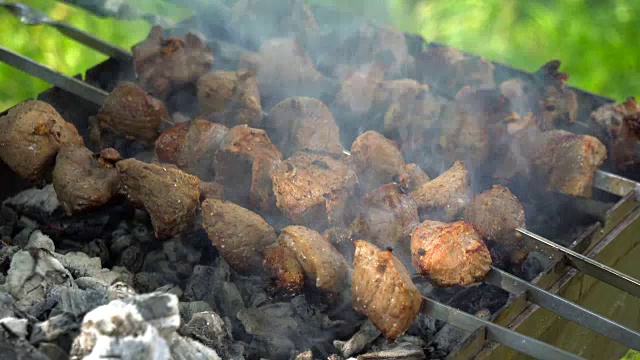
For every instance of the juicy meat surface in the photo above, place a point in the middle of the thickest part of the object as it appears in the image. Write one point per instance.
(130, 112)
(444, 196)
(170, 196)
(495, 214)
(81, 180)
(387, 216)
(240, 235)
(618, 126)
(244, 165)
(31, 134)
(164, 63)
(377, 159)
(230, 98)
(299, 123)
(323, 265)
(191, 146)
(383, 291)
(282, 266)
(449, 254)
(304, 183)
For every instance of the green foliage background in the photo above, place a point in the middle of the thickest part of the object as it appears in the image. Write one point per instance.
(597, 41)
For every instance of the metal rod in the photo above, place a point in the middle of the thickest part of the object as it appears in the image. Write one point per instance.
(615, 184)
(64, 82)
(565, 308)
(589, 266)
(494, 332)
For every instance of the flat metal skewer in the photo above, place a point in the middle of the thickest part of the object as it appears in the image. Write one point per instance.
(64, 82)
(564, 308)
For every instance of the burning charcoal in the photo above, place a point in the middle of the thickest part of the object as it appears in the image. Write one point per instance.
(377, 159)
(282, 266)
(444, 196)
(209, 328)
(365, 335)
(169, 196)
(618, 126)
(30, 136)
(495, 214)
(129, 112)
(191, 146)
(163, 64)
(244, 165)
(299, 123)
(383, 291)
(230, 97)
(81, 183)
(239, 234)
(413, 177)
(304, 184)
(387, 216)
(449, 254)
(323, 265)
(41, 204)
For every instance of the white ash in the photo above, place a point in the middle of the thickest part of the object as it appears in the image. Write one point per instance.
(365, 335)
(42, 201)
(17, 327)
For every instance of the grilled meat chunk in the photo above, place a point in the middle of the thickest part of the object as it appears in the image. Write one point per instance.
(412, 177)
(83, 181)
(191, 146)
(299, 123)
(210, 190)
(165, 63)
(444, 196)
(618, 126)
(341, 238)
(495, 214)
(323, 265)
(31, 134)
(383, 291)
(130, 112)
(282, 266)
(387, 216)
(244, 165)
(555, 102)
(240, 235)
(304, 186)
(358, 90)
(170, 196)
(230, 98)
(377, 159)
(449, 254)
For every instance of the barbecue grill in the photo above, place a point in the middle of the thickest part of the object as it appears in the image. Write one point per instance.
(578, 302)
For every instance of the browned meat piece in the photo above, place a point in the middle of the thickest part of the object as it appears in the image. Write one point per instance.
(129, 112)
(281, 264)
(240, 235)
(444, 196)
(413, 177)
(387, 216)
(244, 165)
(164, 63)
(567, 162)
(377, 159)
(299, 123)
(303, 183)
(383, 291)
(170, 196)
(555, 102)
(341, 238)
(618, 126)
(284, 70)
(323, 265)
(82, 181)
(495, 214)
(450, 69)
(191, 146)
(449, 254)
(30, 136)
(358, 89)
(230, 98)
(210, 190)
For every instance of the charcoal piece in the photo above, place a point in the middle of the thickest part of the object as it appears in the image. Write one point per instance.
(98, 248)
(377, 159)
(80, 264)
(188, 309)
(53, 351)
(230, 98)
(299, 123)
(55, 327)
(9, 307)
(178, 250)
(15, 348)
(131, 258)
(8, 220)
(445, 196)
(365, 335)
(187, 349)
(169, 196)
(78, 302)
(243, 166)
(239, 234)
(480, 299)
(119, 290)
(31, 134)
(142, 233)
(170, 289)
(202, 284)
(148, 281)
(39, 204)
(445, 341)
(102, 279)
(211, 330)
(118, 244)
(401, 350)
(17, 327)
(164, 64)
